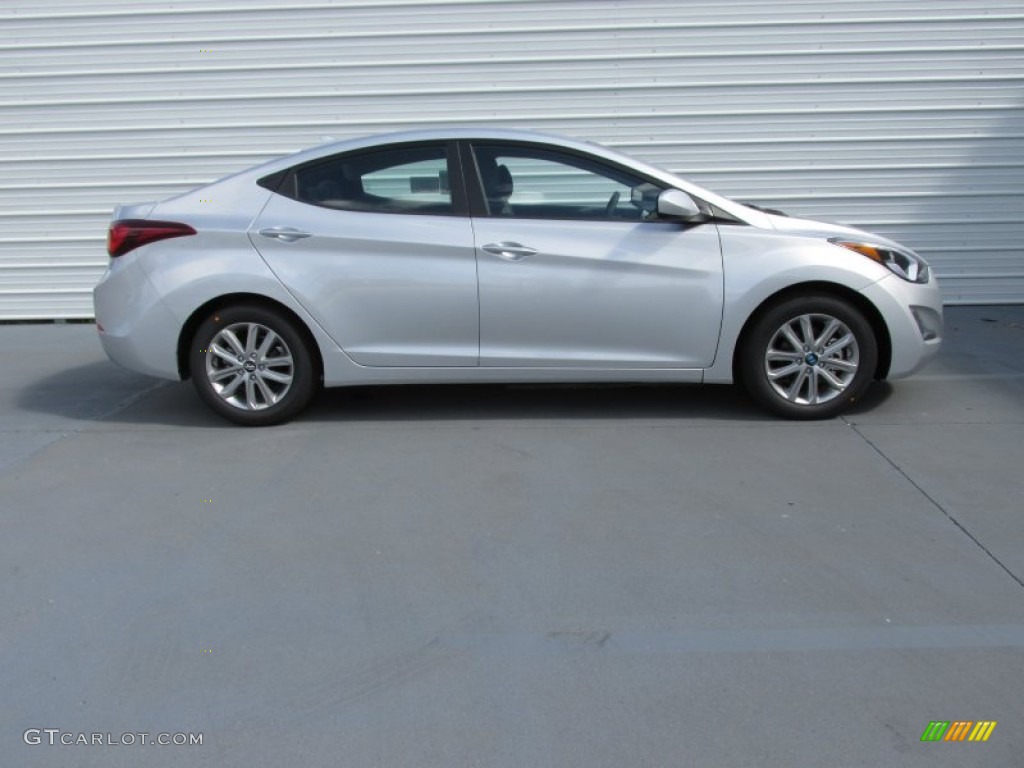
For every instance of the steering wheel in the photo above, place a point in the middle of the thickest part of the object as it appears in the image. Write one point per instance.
(613, 203)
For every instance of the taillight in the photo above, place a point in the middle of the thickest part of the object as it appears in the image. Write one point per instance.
(127, 234)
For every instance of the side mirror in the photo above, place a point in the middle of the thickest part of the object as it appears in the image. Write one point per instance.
(676, 204)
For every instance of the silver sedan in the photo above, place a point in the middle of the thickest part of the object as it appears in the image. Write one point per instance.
(500, 256)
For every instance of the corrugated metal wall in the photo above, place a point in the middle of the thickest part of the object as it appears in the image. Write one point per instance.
(901, 116)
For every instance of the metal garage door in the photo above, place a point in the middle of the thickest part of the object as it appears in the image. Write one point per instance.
(901, 116)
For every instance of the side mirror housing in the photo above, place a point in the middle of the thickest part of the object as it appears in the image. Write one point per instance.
(676, 204)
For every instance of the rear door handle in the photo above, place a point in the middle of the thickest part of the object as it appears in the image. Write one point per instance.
(510, 251)
(284, 234)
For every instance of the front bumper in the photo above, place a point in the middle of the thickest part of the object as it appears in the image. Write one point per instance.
(913, 315)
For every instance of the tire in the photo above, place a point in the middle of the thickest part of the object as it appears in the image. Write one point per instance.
(809, 357)
(251, 365)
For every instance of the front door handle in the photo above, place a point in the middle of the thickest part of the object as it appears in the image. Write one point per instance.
(284, 234)
(510, 251)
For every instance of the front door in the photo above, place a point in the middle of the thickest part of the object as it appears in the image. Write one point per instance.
(576, 271)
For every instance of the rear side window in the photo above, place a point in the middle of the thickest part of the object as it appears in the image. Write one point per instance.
(406, 180)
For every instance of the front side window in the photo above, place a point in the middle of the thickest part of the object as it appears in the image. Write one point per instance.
(537, 183)
(407, 180)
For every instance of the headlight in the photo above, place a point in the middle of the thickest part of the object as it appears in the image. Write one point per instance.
(900, 261)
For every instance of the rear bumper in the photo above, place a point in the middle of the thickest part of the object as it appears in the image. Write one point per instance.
(136, 329)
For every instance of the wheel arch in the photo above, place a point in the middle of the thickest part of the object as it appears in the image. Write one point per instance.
(870, 311)
(188, 330)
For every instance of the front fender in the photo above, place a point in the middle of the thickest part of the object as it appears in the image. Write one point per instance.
(758, 265)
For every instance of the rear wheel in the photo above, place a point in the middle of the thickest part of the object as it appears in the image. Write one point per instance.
(252, 366)
(809, 357)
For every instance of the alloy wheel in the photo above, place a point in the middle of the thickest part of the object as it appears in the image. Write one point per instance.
(812, 359)
(249, 366)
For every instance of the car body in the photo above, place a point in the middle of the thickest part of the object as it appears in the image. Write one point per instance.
(493, 255)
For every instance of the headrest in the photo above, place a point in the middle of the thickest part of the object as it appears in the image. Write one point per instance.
(503, 182)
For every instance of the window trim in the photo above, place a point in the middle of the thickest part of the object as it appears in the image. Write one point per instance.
(282, 181)
(478, 199)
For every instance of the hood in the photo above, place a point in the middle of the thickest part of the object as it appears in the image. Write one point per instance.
(822, 229)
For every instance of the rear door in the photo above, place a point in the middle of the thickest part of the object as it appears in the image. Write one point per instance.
(378, 247)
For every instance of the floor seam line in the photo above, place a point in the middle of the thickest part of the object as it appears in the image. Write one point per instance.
(936, 504)
(60, 435)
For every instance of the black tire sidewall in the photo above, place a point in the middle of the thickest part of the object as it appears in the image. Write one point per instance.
(754, 378)
(303, 385)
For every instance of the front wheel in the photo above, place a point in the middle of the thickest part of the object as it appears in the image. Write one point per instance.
(252, 366)
(809, 357)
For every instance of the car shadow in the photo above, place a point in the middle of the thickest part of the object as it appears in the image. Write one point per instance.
(875, 395)
(534, 402)
(104, 392)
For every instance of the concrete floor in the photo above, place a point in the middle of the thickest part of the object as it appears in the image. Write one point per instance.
(491, 576)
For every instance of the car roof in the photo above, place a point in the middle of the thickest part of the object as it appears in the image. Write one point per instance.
(454, 133)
